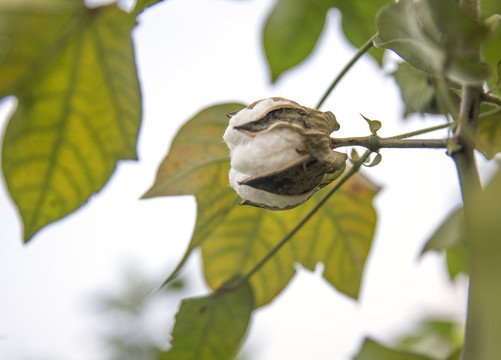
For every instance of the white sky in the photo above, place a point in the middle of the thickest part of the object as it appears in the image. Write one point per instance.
(192, 54)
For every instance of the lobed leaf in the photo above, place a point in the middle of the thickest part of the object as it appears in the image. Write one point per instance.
(372, 350)
(79, 104)
(198, 163)
(339, 236)
(211, 327)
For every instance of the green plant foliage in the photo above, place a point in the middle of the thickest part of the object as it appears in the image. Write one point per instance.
(211, 327)
(339, 236)
(491, 51)
(372, 350)
(198, 164)
(79, 104)
(294, 26)
(143, 4)
(357, 20)
(291, 32)
(418, 90)
(434, 337)
(489, 131)
(451, 238)
(457, 260)
(431, 42)
(450, 232)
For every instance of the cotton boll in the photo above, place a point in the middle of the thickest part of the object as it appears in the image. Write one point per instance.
(280, 152)
(267, 152)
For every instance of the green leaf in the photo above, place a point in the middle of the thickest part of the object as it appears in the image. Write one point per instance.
(489, 131)
(374, 125)
(79, 104)
(371, 350)
(491, 52)
(291, 32)
(451, 232)
(357, 20)
(198, 163)
(376, 161)
(339, 236)
(294, 27)
(457, 260)
(141, 5)
(421, 34)
(211, 327)
(437, 338)
(418, 90)
(451, 238)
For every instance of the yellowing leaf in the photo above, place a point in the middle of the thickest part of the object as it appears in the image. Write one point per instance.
(489, 132)
(198, 163)
(211, 327)
(197, 154)
(339, 235)
(79, 110)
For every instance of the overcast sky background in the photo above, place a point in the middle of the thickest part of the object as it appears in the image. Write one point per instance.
(192, 54)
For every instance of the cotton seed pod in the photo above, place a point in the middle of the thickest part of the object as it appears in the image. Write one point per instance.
(280, 153)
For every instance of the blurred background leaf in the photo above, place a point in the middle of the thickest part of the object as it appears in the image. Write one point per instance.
(489, 131)
(421, 35)
(294, 27)
(79, 105)
(211, 327)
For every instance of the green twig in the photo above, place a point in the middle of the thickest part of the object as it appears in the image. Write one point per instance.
(366, 47)
(374, 143)
(420, 131)
(492, 99)
(349, 173)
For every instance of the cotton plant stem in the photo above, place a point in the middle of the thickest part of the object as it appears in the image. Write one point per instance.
(375, 143)
(475, 346)
(479, 341)
(366, 47)
(348, 174)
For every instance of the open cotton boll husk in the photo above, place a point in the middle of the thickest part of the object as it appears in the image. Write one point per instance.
(280, 152)
(261, 198)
